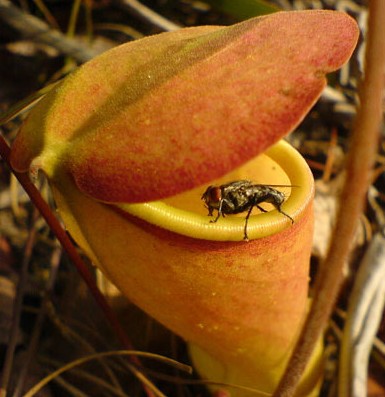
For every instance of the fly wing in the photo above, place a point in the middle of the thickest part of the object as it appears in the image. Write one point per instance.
(268, 185)
(237, 184)
(235, 187)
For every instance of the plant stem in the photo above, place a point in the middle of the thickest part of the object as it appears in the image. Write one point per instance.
(360, 161)
(65, 241)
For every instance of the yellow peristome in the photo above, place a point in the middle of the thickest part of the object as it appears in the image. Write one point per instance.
(185, 214)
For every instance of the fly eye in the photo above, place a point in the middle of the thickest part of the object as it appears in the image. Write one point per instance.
(206, 196)
(215, 194)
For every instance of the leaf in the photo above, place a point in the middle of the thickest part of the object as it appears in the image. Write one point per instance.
(161, 115)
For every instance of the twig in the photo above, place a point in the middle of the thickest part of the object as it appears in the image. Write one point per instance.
(330, 156)
(360, 160)
(366, 305)
(80, 361)
(127, 30)
(70, 388)
(47, 308)
(73, 18)
(38, 326)
(47, 14)
(34, 29)
(146, 14)
(93, 378)
(27, 103)
(17, 307)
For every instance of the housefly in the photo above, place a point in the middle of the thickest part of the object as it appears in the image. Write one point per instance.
(241, 196)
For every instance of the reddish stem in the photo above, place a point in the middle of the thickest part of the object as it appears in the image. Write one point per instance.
(360, 162)
(65, 241)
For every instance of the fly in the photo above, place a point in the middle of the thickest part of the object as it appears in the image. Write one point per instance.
(241, 196)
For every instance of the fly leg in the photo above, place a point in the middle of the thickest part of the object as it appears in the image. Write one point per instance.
(245, 236)
(284, 213)
(278, 207)
(219, 212)
(260, 208)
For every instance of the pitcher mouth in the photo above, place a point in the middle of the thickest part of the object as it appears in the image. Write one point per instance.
(186, 214)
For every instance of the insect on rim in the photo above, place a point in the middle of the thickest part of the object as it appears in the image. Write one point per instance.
(192, 224)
